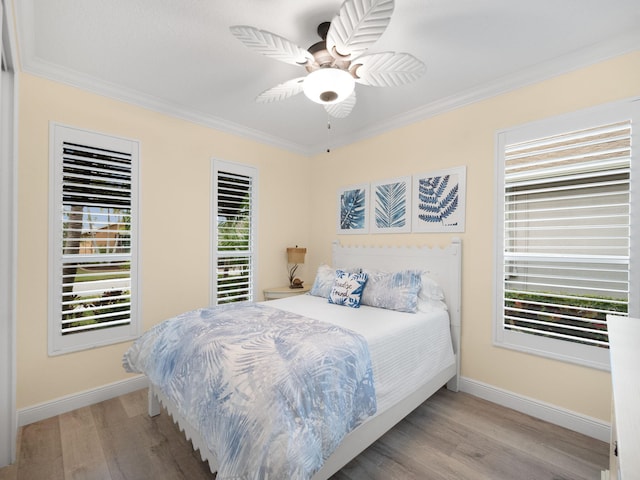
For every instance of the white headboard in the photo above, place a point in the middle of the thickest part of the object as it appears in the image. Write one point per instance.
(443, 264)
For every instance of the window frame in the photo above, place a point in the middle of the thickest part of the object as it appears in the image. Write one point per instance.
(8, 236)
(566, 351)
(57, 342)
(218, 165)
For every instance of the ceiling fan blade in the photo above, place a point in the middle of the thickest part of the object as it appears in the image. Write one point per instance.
(342, 109)
(387, 69)
(282, 91)
(357, 26)
(271, 45)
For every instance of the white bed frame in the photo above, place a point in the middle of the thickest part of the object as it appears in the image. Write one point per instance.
(445, 266)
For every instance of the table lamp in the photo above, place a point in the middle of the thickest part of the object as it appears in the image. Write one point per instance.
(295, 257)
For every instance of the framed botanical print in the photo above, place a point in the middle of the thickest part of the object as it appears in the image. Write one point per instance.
(353, 209)
(439, 201)
(391, 206)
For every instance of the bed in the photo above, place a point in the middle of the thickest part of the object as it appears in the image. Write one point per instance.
(405, 367)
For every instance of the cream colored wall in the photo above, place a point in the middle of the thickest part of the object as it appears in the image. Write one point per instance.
(175, 160)
(465, 136)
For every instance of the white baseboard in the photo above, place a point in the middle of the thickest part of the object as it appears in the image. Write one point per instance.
(78, 400)
(544, 411)
(559, 416)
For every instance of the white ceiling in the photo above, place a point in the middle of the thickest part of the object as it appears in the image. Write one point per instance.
(178, 56)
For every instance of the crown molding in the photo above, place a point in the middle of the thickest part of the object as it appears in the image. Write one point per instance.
(620, 45)
(100, 87)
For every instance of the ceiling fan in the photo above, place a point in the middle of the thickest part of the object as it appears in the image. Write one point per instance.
(337, 62)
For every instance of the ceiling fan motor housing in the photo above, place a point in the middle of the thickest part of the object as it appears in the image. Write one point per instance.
(329, 80)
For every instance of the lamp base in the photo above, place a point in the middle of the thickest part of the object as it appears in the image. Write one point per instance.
(295, 283)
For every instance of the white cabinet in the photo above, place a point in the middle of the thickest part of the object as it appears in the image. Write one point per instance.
(624, 348)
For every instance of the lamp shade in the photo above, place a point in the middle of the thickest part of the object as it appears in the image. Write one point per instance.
(328, 85)
(296, 255)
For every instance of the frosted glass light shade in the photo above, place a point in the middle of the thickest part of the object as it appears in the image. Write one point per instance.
(328, 85)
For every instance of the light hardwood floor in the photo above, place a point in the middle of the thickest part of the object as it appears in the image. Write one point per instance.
(450, 436)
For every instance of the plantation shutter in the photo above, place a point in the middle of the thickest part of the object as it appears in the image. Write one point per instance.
(566, 233)
(95, 188)
(234, 187)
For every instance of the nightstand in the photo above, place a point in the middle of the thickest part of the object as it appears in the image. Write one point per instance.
(282, 292)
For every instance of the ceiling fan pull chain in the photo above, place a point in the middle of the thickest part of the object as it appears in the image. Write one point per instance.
(328, 133)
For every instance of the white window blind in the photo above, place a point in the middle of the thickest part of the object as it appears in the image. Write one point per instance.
(95, 188)
(567, 233)
(234, 234)
(566, 244)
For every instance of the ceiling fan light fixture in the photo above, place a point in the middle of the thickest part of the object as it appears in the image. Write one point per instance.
(328, 85)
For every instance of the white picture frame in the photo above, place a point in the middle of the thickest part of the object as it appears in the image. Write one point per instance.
(439, 201)
(353, 209)
(391, 206)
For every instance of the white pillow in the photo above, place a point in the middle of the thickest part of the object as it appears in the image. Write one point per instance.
(324, 280)
(431, 296)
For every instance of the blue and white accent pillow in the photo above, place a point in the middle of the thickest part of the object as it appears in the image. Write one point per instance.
(393, 291)
(347, 288)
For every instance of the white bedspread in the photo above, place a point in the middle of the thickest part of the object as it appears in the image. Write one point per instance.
(406, 349)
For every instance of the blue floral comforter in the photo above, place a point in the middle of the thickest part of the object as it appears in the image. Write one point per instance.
(272, 393)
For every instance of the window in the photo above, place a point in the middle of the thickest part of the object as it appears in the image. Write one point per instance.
(234, 232)
(565, 247)
(93, 241)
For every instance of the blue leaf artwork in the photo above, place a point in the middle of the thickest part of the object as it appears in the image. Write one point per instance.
(440, 201)
(436, 201)
(391, 205)
(353, 209)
